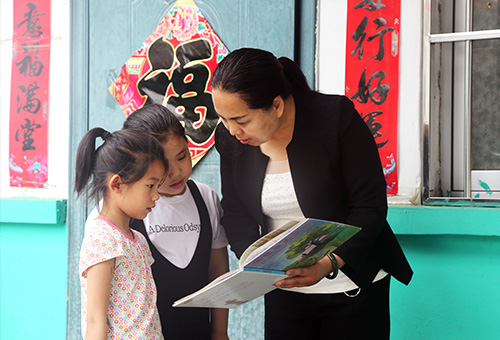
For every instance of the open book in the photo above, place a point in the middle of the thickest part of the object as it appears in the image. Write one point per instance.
(264, 262)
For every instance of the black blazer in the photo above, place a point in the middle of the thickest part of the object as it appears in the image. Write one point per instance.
(337, 175)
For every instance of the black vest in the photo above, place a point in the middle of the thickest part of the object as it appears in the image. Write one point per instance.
(173, 283)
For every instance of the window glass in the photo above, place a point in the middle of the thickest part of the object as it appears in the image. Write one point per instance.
(486, 15)
(485, 104)
(454, 74)
(485, 118)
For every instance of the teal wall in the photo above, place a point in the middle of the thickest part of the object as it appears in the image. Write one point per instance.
(454, 292)
(455, 253)
(33, 269)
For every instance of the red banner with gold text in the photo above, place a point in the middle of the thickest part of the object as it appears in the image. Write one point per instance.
(29, 99)
(372, 74)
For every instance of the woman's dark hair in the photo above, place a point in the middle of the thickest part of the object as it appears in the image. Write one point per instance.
(157, 120)
(127, 153)
(259, 77)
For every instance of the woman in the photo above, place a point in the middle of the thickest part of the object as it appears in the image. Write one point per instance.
(288, 152)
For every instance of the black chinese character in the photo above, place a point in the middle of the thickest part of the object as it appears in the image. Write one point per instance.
(31, 104)
(32, 29)
(28, 64)
(370, 120)
(378, 95)
(28, 129)
(185, 88)
(360, 34)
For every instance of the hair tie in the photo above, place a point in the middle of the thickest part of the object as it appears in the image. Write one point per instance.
(105, 135)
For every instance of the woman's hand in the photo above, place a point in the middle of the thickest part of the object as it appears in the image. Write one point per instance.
(308, 276)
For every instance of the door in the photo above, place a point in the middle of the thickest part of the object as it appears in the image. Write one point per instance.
(104, 36)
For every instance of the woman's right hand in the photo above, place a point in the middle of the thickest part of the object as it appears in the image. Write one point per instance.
(308, 276)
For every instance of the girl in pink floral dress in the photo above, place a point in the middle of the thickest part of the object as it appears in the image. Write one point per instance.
(118, 291)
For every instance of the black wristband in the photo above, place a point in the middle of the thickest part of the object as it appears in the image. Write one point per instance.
(335, 267)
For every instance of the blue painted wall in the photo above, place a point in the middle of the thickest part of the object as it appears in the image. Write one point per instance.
(33, 271)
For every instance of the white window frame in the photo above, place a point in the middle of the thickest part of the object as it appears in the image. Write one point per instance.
(432, 170)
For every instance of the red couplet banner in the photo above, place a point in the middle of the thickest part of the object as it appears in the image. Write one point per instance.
(372, 74)
(29, 99)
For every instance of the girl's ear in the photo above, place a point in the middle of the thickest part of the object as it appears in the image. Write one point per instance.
(115, 184)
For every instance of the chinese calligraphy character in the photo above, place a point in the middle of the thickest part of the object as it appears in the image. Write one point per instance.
(183, 84)
(32, 29)
(360, 34)
(27, 64)
(378, 95)
(28, 129)
(370, 5)
(374, 126)
(31, 104)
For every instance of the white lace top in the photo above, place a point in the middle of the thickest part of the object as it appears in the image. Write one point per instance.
(280, 206)
(279, 201)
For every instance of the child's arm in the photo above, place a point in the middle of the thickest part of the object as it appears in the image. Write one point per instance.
(219, 264)
(98, 291)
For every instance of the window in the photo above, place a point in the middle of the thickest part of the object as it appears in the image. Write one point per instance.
(462, 101)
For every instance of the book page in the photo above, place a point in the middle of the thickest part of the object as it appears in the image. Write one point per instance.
(231, 291)
(263, 243)
(301, 246)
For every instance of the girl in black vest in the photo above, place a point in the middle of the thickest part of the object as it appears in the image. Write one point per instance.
(183, 232)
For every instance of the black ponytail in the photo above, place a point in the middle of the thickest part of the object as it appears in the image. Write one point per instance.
(127, 153)
(295, 77)
(85, 157)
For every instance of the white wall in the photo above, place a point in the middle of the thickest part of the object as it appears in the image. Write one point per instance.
(58, 103)
(331, 53)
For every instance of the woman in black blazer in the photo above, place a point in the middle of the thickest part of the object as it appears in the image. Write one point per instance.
(289, 152)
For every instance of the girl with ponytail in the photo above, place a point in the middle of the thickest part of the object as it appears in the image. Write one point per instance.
(118, 291)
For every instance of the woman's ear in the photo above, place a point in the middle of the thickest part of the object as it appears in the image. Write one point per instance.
(279, 105)
(115, 184)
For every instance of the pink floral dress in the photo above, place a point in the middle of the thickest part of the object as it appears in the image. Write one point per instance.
(132, 312)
